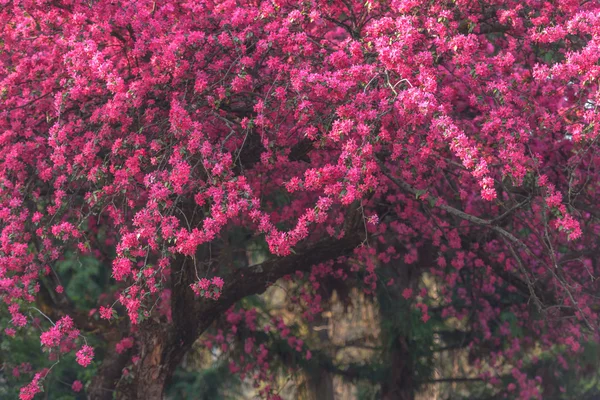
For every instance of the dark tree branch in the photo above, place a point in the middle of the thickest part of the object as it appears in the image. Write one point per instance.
(454, 211)
(162, 345)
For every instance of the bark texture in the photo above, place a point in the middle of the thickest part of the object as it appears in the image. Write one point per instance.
(162, 345)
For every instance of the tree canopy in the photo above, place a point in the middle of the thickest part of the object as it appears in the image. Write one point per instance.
(161, 162)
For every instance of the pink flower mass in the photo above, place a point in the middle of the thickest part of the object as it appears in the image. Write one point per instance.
(189, 154)
(77, 386)
(85, 356)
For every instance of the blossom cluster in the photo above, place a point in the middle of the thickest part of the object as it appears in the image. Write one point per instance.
(153, 130)
(210, 289)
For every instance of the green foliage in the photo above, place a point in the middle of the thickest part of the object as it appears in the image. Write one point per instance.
(212, 383)
(511, 318)
(84, 279)
(366, 391)
(25, 348)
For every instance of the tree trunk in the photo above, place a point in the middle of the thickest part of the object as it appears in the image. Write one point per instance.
(159, 357)
(155, 366)
(161, 345)
(320, 382)
(400, 381)
(320, 387)
(400, 385)
(109, 374)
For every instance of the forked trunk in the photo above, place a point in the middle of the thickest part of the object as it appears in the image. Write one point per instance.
(119, 379)
(161, 345)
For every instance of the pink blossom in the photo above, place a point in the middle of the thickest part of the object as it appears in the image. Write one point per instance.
(85, 356)
(77, 386)
(106, 312)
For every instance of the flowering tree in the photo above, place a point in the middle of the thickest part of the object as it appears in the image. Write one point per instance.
(458, 136)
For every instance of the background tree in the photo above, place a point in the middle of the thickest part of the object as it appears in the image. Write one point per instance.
(151, 145)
